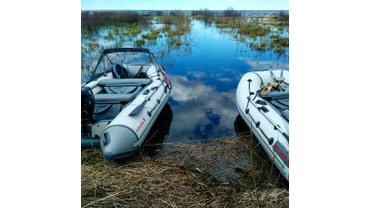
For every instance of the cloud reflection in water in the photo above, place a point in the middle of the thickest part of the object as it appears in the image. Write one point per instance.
(200, 111)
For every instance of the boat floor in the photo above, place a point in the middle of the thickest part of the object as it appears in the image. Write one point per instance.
(279, 100)
(111, 101)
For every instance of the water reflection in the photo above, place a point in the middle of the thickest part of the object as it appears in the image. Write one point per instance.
(204, 69)
(200, 111)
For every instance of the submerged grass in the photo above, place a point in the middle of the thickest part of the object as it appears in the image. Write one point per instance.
(140, 42)
(216, 174)
(152, 35)
(283, 42)
(253, 30)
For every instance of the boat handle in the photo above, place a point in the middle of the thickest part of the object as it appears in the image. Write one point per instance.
(106, 138)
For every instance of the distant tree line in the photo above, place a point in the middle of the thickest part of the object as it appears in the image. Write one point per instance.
(230, 12)
(90, 20)
(282, 16)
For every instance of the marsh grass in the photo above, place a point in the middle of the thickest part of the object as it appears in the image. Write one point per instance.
(218, 173)
(273, 36)
(178, 19)
(152, 35)
(205, 15)
(91, 20)
(131, 31)
(281, 42)
(140, 42)
(165, 28)
(253, 30)
(261, 46)
(110, 36)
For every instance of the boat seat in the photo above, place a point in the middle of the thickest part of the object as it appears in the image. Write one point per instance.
(123, 90)
(124, 82)
(113, 98)
(117, 94)
(276, 94)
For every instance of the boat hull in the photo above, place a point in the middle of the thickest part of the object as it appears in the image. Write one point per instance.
(126, 109)
(123, 137)
(268, 126)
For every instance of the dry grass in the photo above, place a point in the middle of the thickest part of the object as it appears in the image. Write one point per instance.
(213, 174)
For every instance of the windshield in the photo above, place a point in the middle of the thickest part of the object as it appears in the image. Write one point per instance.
(122, 57)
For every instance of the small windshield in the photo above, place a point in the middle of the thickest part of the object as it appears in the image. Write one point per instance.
(120, 57)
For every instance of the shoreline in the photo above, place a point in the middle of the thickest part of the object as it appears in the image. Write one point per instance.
(184, 175)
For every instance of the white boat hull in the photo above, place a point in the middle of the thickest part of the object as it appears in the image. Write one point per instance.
(123, 135)
(270, 128)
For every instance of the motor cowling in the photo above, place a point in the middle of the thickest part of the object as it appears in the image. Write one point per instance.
(87, 103)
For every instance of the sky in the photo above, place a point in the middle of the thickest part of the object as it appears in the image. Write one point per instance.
(184, 4)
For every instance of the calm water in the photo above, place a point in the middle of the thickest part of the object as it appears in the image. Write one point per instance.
(204, 71)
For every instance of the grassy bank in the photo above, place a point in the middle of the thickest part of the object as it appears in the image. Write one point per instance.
(227, 172)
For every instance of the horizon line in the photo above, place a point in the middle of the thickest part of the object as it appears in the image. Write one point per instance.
(179, 9)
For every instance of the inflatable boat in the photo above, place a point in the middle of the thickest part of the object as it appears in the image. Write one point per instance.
(121, 101)
(157, 136)
(262, 99)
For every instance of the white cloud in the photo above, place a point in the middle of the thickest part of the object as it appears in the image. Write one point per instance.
(184, 90)
(216, 36)
(197, 74)
(225, 79)
(201, 109)
(257, 65)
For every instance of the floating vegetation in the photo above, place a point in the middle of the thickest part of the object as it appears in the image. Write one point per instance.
(261, 46)
(151, 36)
(223, 26)
(283, 42)
(110, 36)
(178, 42)
(274, 36)
(140, 42)
(166, 28)
(253, 30)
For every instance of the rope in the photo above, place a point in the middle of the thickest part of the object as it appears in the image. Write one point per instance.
(267, 88)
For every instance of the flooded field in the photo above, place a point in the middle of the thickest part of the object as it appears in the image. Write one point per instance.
(204, 58)
(199, 152)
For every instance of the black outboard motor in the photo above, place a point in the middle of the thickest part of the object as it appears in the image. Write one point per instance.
(87, 107)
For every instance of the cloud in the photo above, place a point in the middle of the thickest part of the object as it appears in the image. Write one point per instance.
(197, 74)
(200, 111)
(225, 79)
(184, 90)
(258, 65)
(216, 36)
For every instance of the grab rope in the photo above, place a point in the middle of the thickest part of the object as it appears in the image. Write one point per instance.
(268, 87)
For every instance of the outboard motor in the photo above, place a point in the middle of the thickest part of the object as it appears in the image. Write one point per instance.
(87, 107)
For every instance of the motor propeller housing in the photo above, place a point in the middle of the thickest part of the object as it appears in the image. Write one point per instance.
(87, 104)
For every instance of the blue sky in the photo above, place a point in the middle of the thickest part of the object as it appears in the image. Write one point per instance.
(184, 4)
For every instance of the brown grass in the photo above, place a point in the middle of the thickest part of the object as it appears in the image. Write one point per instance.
(214, 174)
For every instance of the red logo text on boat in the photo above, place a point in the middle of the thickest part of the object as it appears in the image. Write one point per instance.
(141, 124)
(283, 154)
